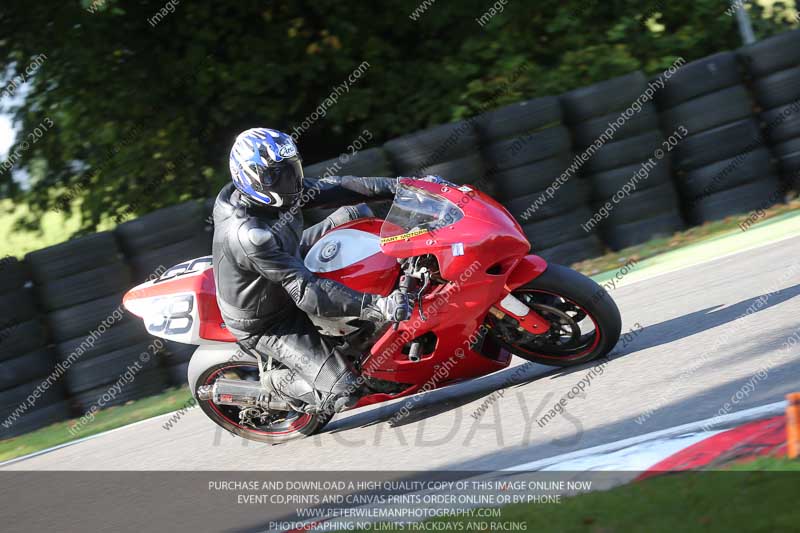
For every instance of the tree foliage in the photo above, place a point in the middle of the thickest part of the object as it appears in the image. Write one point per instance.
(144, 114)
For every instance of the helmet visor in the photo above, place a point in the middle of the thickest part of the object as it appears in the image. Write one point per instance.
(283, 177)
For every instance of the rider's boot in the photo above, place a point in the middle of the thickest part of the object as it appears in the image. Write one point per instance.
(286, 385)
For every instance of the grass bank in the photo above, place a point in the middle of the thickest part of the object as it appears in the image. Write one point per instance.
(104, 420)
(764, 498)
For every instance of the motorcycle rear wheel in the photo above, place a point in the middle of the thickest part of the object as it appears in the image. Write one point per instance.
(281, 427)
(584, 320)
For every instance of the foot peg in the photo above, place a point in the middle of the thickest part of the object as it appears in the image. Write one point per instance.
(241, 394)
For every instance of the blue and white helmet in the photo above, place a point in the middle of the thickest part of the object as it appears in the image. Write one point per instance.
(266, 167)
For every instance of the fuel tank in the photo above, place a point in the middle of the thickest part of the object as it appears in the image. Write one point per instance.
(351, 254)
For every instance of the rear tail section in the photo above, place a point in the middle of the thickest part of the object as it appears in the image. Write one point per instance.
(181, 305)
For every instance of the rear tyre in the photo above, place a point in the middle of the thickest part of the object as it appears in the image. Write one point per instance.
(280, 426)
(585, 321)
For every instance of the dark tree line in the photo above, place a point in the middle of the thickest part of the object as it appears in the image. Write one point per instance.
(146, 98)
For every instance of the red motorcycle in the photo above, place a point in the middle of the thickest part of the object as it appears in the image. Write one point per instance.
(479, 297)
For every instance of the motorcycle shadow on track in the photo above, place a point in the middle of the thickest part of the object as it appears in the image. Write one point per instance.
(700, 321)
(426, 405)
(421, 406)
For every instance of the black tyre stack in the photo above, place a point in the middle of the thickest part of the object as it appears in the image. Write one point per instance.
(80, 284)
(774, 67)
(526, 148)
(449, 150)
(25, 358)
(621, 152)
(165, 237)
(162, 239)
(371, 162)
(722, 166)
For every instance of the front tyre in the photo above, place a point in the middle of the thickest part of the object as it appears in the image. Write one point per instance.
(274, 428)
(584, 321)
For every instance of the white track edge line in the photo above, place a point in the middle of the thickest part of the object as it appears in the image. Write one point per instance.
(83, 439)
(644, 270)
(739, 416)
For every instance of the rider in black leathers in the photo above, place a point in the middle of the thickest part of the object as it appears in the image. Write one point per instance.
(264, 290)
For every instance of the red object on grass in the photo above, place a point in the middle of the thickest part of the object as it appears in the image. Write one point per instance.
(751, 440)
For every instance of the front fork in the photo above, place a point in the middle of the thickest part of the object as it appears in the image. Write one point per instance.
(529, 268)
(528, 319)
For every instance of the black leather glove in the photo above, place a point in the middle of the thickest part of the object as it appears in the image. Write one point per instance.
(392, 308)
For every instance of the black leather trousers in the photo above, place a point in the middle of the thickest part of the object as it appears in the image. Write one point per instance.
(317, 372)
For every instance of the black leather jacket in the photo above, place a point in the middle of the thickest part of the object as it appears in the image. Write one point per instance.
(258, 266)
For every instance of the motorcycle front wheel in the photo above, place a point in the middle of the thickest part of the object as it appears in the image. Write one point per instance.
(584, 320)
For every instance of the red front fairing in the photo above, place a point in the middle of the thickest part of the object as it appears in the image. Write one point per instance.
(487, 232)
(492, 248)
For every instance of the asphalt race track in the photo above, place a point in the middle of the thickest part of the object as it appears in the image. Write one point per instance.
(698, 338)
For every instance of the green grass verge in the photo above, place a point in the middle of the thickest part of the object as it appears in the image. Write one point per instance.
(709, 231)
(106, 419)
(756, 500)
(54, 228)
(768, 464)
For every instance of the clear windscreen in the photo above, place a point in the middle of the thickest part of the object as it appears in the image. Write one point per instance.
(415, 212)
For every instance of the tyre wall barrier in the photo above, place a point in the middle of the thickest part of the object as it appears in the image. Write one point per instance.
(773, 70)
(527, 148)
(449, 150)
(160, 240)
(368, 162)
(25, 356)
(79, 286)
(633, 198)
(723, 166)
